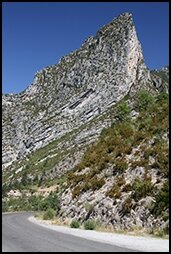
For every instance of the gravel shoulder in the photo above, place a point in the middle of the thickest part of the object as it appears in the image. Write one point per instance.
(139, 243)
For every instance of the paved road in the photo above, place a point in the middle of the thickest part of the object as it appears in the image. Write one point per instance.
(21, 235)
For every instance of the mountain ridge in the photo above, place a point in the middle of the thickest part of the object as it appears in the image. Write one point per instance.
(48, 127)
(67, 85)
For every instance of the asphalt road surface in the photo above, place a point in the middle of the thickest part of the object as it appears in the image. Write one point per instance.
(21, 235)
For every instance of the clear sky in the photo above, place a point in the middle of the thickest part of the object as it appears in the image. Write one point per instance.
(38, 34)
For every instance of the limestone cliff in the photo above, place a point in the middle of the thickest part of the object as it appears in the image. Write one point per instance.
(81, 86)
(47, 128)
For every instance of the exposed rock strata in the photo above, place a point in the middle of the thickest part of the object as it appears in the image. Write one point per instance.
(84, 84)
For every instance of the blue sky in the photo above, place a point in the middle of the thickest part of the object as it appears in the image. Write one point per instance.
(38, 34)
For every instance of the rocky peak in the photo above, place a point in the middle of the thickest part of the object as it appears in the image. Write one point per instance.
(160, 79)
(82, 86)
(48, 128)
(113, 42)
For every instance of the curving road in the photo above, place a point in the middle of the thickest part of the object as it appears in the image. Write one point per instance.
(21, 235)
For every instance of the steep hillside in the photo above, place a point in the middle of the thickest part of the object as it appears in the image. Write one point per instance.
(123, 178)
(94, 128)
(121, 181)
(69, 94)
(161, 78)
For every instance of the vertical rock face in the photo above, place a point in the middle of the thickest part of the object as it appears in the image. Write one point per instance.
(81, 86)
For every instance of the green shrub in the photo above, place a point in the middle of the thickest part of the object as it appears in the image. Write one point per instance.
(160, 152)
(139, 136)
(141, 188)
(120, 165)
(25, 180)
(90, 224)
(162, 201)
(75, 224)
(102, 164)
(148, 124)
(120, 181)
(93, 172)
(127, 187)
(49, 214)
(147, 153)
(139, 163)
(159, 232)
(51, 201)
(76, 191)
(144, 100)
(35, 201)
(74, 179)
(5, 206)
(86, 185)
(96, 184)
(114, 192)
(123, 111)
(162, 97)
(125, 130)
(92, 183)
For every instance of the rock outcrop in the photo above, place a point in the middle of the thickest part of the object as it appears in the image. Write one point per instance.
(47, 128)
(83, 85)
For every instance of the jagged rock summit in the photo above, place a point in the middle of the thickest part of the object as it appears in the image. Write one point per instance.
(92, 129)
(83, 85)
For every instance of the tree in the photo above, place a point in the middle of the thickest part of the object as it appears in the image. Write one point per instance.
(144, 100)
(123, 111)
